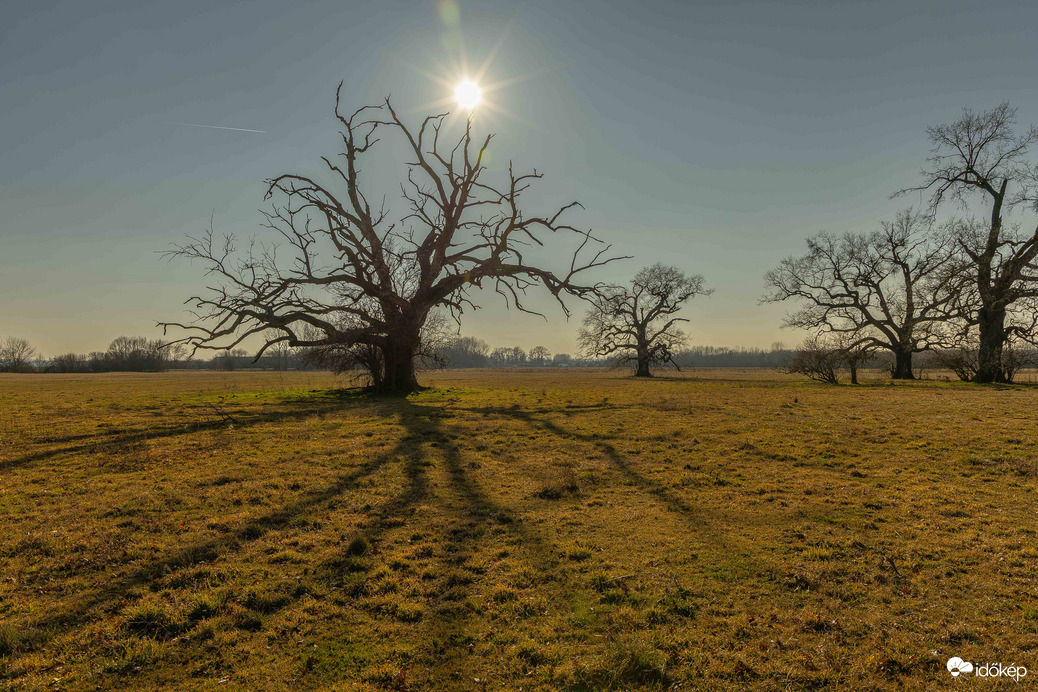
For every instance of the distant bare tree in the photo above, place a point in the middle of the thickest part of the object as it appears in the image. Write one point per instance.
(980, 157)
(636, 324)
(892, 289)
(363, 281)
(539, 355)
(17, 355)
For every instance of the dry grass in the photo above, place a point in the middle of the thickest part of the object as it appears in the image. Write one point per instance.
(542, 530)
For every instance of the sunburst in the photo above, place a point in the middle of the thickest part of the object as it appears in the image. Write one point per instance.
(466, 95)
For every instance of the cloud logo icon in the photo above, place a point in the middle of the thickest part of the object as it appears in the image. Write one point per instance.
(956, 665)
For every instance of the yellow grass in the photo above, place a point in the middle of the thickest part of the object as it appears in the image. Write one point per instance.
(545, 530)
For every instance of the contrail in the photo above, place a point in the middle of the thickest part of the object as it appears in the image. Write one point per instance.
(220, 127)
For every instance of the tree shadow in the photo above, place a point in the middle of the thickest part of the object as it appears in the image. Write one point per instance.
(472, 511)
(114, 441)
(473, 517)
(664, 495)
(91, 605)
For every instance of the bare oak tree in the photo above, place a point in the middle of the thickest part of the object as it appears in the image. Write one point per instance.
(981, 159)
(636, 324)
(360, 281)
(892, 289)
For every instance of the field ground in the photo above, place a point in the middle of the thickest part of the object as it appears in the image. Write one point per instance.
(537, 530)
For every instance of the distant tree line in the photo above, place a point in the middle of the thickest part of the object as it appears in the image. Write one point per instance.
(724, 357)
(140, 354)
(470, 352)
(813, 359)
(126, 353)
(135, 354)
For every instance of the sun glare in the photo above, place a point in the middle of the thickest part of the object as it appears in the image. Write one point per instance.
(468, 94)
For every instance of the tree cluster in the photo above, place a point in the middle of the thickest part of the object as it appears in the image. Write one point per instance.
(124, 354)
(966, 287)
(470, 352)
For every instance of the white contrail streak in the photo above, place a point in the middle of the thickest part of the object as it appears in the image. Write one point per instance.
(220, 127)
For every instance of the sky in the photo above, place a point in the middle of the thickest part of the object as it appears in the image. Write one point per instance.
(714, 137)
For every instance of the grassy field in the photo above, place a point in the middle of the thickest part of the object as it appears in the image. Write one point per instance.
(535, 530)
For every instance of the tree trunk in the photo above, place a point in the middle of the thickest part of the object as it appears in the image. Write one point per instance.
(854, 373)
(643, 366)
(992, 325)
(902, 366)
(398, 370)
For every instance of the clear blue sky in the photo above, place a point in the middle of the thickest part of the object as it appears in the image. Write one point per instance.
(712, 136)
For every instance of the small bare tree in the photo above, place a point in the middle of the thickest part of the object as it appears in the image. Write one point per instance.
(539, 355)
(636, 324)
(362, 282)
(855, 353)
(825, 359)
(892, 289)
(981, 156)
(17, 355)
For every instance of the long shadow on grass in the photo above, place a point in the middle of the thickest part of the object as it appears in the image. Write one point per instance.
(421, 425)
(94, 604)
(695, 516)
(473, 516)
(115, 441)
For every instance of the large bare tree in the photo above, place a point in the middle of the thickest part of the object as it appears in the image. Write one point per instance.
(636, 323)
(893, 289)
(980, 162)
(360, 281)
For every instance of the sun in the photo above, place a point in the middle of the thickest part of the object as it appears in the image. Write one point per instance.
(468, 94)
